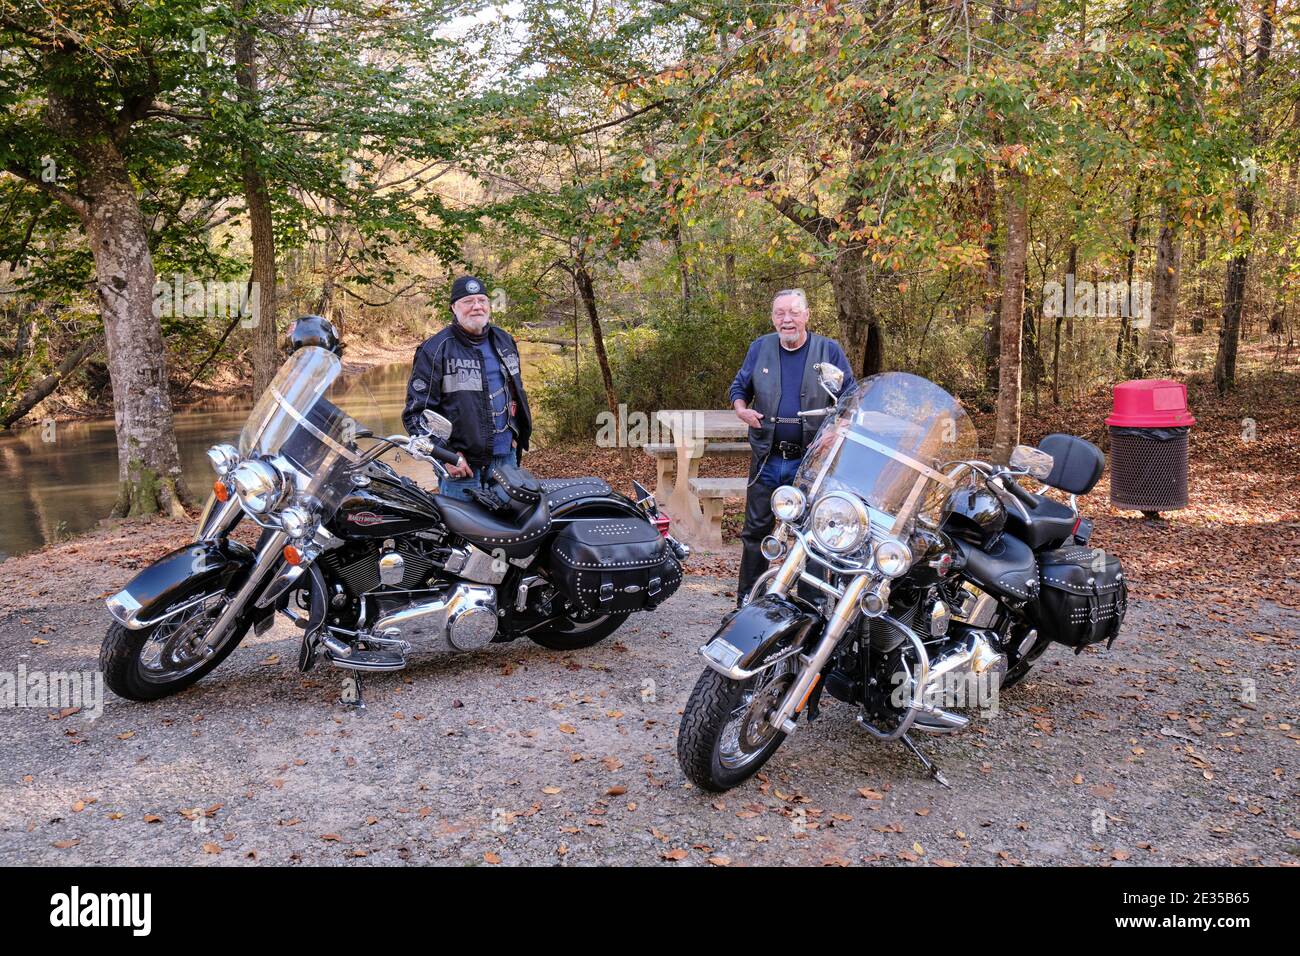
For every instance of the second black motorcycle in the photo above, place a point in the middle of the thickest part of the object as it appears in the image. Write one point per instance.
(910, 579)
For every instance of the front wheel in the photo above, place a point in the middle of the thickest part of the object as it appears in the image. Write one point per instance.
(725, 735)
(573, 634)
(158, 661)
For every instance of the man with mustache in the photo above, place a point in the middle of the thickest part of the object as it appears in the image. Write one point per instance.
(470, 373)
(777, 381)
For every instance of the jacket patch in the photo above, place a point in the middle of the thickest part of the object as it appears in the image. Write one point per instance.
(419, 384)
(512, 362)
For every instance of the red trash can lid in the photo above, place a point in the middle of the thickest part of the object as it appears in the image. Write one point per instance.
(1150, 403)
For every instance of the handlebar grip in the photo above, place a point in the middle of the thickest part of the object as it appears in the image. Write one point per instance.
(444, 455)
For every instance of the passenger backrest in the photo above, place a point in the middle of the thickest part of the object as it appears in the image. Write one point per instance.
(1077, 464)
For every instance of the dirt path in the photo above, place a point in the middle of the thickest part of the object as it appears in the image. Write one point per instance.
(1151, 753)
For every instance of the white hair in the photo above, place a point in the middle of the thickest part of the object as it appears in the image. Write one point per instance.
(797, 293)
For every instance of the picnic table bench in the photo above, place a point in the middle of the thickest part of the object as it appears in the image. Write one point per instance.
(695, 504)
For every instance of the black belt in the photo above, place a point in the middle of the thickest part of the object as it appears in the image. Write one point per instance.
(788, 449)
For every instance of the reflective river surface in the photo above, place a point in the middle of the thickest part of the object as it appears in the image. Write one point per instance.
(57, 483)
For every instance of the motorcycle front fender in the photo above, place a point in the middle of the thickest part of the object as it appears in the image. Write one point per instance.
(174, 582)
(748, 635)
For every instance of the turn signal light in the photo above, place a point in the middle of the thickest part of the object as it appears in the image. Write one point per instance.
(662, 522)
(221, 491)
(292, 555)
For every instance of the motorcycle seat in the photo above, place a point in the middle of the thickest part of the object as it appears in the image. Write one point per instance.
(1050, 523)
(495, 532)
(1007, 569)
(560, 491)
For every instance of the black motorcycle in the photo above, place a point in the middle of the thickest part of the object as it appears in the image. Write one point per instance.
(369, 564)
(909, 579)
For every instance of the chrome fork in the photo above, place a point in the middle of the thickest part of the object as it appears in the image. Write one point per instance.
(217, 518)
(843, 615)
(266, 560)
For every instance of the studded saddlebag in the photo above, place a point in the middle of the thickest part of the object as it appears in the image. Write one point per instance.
(1083, 598)
(612, 565)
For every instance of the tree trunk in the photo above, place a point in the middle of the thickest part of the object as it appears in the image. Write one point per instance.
(587, 291)
(105, 201)
(266, 353)
(1071, 263)
(1164, 299)
(1277, 321)
(683, 269)
(1010, 322)
(149, 469)
(858, 320)
(988, 212)
(1225, 362)
(1130, 261)
(1198, 312)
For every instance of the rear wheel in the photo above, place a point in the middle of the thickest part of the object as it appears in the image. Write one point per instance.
(161, 660)
(725, 735)
(573, 634)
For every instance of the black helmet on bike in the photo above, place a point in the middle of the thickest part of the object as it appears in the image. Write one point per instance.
(314, 330)
(974, 514)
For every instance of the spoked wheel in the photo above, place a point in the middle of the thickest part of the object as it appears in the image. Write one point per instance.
(725, 735)
(158, 661)
(575, 633)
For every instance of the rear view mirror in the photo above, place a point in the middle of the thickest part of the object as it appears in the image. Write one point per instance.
(1032, 461)
(437, 426)
(831, 378)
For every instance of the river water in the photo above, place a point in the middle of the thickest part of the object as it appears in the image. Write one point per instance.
(57, 483)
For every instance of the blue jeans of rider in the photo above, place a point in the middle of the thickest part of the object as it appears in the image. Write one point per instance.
(461, 487)
(772, 473)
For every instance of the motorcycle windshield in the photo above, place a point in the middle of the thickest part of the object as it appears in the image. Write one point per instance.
(296, 421)
(888, 442)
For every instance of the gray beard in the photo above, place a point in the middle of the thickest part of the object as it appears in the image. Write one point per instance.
(789, 341)
(473, 326)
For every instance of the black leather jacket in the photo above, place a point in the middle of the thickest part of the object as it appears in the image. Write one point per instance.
(447, 377)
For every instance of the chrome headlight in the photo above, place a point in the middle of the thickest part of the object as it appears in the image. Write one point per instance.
(298, 521)
(788, 503)
(224, 458)
(258, 484)
(893, 558)
(840, 522)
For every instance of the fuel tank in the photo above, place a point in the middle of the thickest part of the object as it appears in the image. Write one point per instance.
(385, 507)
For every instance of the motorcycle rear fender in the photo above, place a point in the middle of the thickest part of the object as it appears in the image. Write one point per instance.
(173, 582)
(749, 634)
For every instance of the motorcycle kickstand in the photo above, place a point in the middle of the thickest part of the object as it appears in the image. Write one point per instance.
(929, 765)
(351, 695)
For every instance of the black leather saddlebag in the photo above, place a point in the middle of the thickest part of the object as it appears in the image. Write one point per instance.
(1083, 597)
(611, 565)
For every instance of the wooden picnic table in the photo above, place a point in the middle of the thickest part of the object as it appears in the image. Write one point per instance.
(692, 430)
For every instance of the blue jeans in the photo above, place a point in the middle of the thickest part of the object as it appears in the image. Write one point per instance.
(778, 471)
(460, 488)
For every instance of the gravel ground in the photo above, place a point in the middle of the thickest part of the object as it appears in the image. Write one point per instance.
(1151, 753)
(1144, 755)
